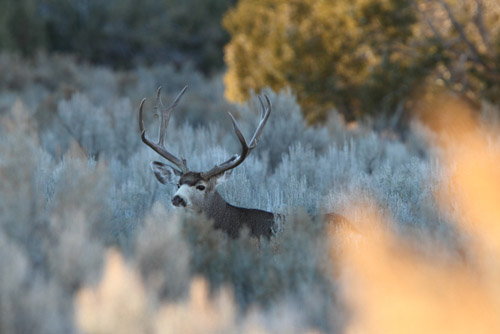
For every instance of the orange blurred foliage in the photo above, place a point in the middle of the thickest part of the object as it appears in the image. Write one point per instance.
(392, 289)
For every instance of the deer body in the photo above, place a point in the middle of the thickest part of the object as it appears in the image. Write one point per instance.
(197, 190)
(231, 219)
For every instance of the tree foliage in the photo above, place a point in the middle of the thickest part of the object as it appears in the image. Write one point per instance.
(120, 33)
(363, 56)
(21, 28)
(326, 51)
(467, 33)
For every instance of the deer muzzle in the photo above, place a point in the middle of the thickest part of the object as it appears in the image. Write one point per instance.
(178, 201)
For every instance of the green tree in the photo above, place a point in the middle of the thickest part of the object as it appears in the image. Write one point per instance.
(120, 33)
(21, 29)
(364, 56)
(347, 54)
(124, 32)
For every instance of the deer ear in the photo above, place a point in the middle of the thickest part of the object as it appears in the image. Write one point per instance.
(165, 173)
(223, 177)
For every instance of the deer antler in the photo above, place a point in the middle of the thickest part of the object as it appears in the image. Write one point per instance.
(245, 148)
(165, 114)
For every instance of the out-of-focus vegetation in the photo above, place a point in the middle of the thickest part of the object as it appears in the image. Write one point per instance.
(364, 57)
(117, 32)
(89, 242)
(76, 182)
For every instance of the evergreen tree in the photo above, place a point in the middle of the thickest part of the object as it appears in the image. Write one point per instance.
(363, 56)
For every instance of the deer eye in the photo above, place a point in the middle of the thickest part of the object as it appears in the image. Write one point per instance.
(178, 185)
(200, 187)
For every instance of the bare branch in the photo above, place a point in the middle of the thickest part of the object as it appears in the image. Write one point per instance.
(458, 27)
(479, 22)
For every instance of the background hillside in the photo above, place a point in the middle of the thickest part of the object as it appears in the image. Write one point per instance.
(386, 112)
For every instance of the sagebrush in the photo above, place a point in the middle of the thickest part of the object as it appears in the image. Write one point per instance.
(75, 182)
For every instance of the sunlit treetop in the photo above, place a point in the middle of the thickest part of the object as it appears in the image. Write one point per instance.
(360, 57)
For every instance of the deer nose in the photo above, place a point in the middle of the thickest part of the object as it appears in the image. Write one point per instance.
(178, 201)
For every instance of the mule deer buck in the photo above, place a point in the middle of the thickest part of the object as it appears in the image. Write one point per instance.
(198, 190)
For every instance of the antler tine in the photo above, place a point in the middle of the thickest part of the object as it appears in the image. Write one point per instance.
(237, 130)
(236, 160)
(262, 108)
(265, 113)
(165, 114)
(141, 123)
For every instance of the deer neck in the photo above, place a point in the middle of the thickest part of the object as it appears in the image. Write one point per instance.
(221, 212)
(216, 207)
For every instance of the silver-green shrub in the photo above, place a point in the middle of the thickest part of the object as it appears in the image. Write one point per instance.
(75, 180)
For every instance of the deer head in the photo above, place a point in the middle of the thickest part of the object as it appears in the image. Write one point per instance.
(196, 190)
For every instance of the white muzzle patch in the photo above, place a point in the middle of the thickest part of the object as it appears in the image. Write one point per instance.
(186, 193)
